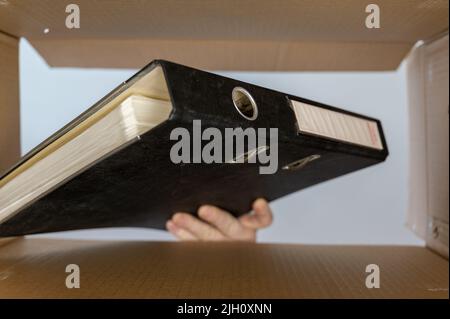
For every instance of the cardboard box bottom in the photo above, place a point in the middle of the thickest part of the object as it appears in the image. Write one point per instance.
(35, 268)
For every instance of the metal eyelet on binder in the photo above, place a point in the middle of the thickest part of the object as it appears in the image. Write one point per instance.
(298, 164)
(246, 157)
(244, 103)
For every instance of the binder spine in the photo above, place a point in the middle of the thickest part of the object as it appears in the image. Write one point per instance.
(197, 94)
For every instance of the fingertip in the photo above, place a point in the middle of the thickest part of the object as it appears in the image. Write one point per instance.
(178, 217)
(263, 212)
(204, 211)
(180, 233)
(260, 203)
(171, 227)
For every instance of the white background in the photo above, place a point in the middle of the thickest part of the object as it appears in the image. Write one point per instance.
(365, 207)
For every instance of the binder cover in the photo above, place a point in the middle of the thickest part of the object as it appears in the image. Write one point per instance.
(137, 185)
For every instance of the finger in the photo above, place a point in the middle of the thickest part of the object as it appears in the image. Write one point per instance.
(180, 233)
(260, 217)
(196, 227)
(226, 223)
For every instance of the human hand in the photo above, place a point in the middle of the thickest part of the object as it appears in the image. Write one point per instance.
(215, 224)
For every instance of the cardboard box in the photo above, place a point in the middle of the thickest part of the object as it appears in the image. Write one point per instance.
(9, 101)
(227, 35)
(220, 270)
(237, 35)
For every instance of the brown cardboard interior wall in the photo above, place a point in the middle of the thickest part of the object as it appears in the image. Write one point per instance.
(223, 55)
(36, 268)
(437, 143)
(240, 35)
(9, 102)
(256, 35)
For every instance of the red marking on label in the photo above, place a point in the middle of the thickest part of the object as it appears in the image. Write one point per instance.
(373, 133)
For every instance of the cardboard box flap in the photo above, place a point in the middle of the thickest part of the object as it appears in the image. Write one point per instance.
(34, 267)
(9, 101)
(428, 81)
(307, 35)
